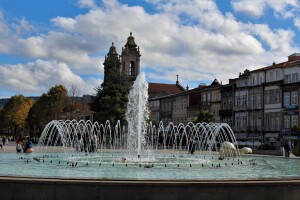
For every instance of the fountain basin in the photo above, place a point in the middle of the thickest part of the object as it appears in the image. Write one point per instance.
(172, 177)
(165, 167)
(61, 189)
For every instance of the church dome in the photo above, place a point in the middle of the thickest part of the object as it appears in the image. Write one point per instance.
(130, 41)
(112, 49)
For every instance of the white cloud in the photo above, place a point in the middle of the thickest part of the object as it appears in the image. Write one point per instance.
(39, 76)
(214, 45)
(256, 8)
(278, 40)
(66, 23)
(297, 22)
(86, 3)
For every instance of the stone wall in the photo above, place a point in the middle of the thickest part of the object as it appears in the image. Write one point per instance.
(57, 189)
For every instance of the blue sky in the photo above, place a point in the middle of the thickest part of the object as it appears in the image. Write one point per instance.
(49, 42)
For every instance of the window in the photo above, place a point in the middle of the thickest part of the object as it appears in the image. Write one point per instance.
(224, 105)
(237, 101)
(237, 121)
(295, 77)
(277, 74)
(277, 125)
(267, 97)
(259, 100)
(291, 78)
(272, 96)
(251, 100)
(208, 97)
(272, 122)
(294, 98)
(253, 80)
(287, 122)
(244, 100)
(244, 121)
(132, 69)
(267, 122)
(291, 98)
(294, 120)
(287, 78)
(277, 97)
(286, 99)
(258, 121)
(271, 76)
(203, 97)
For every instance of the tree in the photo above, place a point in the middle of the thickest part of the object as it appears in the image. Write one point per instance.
(48, 107)
(205, 117)
(111, 99)
(296, 132)
(15, 112)
(73, 93)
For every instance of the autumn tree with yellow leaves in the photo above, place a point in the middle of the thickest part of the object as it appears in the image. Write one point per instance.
(14, 114)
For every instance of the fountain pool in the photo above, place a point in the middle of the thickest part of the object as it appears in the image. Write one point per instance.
(166, 167)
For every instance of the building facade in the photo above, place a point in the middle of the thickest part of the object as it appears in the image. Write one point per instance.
(266, 103)
(261, 106)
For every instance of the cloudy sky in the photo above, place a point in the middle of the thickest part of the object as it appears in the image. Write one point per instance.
(49, 42)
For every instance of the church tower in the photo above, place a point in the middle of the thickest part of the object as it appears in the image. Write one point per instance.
(130, 59)
(112, 64)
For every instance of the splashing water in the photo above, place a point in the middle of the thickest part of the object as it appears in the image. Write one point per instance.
(141, 142)
(137, 115)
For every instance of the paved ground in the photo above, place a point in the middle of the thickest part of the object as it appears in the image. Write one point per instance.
(8, 148)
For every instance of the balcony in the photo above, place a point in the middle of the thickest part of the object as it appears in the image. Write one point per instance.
(205, 103)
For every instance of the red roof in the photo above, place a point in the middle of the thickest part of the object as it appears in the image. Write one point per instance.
(157, 89)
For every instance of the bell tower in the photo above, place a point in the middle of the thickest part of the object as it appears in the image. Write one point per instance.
(112, 64)
(130, 59)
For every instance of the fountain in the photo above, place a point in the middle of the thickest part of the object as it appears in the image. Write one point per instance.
(137, 115)
(84, 141)
(147, 156)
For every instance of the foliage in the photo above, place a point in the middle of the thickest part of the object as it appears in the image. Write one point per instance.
(111, 99)
(296, 149)
(48, 107)
(14, 113)
(205, 117)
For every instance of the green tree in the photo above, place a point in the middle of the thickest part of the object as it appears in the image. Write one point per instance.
(205, 117)
(296, 132)
(111, 99)
(47, 108)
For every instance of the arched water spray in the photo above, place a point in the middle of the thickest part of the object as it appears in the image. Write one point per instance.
(141, 142)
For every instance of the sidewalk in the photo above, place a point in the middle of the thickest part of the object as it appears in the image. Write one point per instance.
(9, 148)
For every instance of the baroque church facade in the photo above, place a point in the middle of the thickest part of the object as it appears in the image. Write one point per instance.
(127, 64)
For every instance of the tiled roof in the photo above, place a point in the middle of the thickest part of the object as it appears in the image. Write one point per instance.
(157, 89)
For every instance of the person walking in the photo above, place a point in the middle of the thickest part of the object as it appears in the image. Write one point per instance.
(3, 141)
(287, 148)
